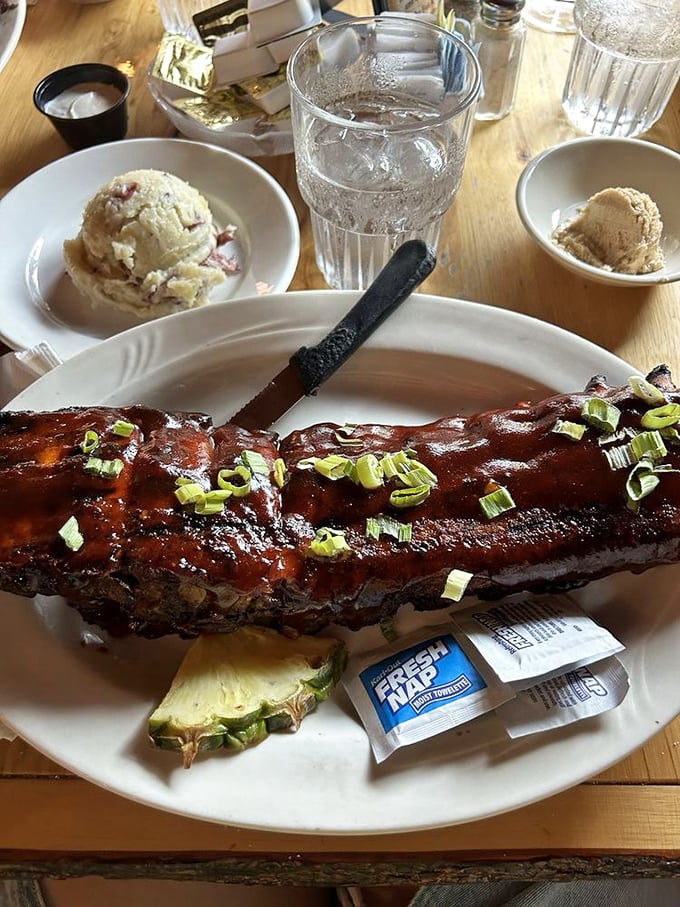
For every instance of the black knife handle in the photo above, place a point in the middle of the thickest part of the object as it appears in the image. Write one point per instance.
(408, 267)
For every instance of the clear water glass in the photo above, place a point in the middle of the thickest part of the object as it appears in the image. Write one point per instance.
(382, 109)
(624, 65)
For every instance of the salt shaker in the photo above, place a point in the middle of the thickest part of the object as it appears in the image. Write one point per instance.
(499, 33)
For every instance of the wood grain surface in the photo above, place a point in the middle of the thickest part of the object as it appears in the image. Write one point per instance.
(624, 822)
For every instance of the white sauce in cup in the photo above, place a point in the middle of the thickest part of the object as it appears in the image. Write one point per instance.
(84, 100)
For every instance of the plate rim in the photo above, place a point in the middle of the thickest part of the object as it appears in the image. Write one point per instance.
(14, 33)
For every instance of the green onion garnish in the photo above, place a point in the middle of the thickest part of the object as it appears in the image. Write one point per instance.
(90, 441)
(328, 543)
(238, 488)
(388, 630)
(648, 444)
(189, 493)
(280, 472)
(572, 430)
(645, 390)
(124, 429)
(368, 472)
(387, 525)
(496, 502)
(333, 466)
(456, 583)
(641, 481)
(255, 462)
(661, 416)
(391, 463)
(616, 436)
(212, 502)
(600, 414)
(105, 469)
(670, 434)
(621, 456)
(409, 497)
(416, 474)
(342, 436)
(307, 463)
(71, 534)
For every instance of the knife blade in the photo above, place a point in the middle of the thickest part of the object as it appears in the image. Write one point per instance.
(311, 366)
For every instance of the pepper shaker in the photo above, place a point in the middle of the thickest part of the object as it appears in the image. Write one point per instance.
(499, 33)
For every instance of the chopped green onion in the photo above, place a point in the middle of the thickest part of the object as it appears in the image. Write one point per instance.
(496, 502)
(662, 416)
(333, 466)
(328, 543)
(280, 472)
(387, 525)
(255, 462)
(71, 534)
(649, 444)
(342, 436)
(409, 497)
(640, 482)
(124, 429)
(456, 583)
(189, 493)
(620, 457)
(600, 414)
(105, 469)
(307, 463)
(90, 441)
(417, 474)
(670, 434)
(388, 630)
(238, 489)
(616, 436)
(572, 430)
(645, 390)
(392, 462)
(183, 480)
(212, 502)
(368, 471)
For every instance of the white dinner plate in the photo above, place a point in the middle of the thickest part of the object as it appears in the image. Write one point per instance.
(12, 21)
(38, 300)
(87, 709)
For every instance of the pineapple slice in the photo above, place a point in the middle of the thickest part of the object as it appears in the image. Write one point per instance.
(232, 689)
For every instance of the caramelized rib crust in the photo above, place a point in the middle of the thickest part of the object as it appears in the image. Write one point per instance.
(152, 566)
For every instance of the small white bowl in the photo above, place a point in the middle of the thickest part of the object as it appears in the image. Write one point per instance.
(558, 181)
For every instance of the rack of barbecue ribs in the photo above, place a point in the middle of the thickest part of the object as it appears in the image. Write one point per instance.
(153, 523)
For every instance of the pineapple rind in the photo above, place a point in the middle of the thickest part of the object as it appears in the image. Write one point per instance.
(200, 711)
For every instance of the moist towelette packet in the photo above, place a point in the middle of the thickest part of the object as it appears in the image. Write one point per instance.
(533, 639)
(582, 693)
(418, 686)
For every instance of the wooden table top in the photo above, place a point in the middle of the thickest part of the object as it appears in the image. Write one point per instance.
(623, 822)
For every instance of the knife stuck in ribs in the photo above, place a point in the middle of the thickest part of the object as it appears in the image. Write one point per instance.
(151, 565)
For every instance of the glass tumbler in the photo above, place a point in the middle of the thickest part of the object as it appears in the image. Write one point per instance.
(382, 109)
(624, 65)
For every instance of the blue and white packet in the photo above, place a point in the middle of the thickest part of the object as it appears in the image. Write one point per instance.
(528, 640)
(582, 693)
(419, 685)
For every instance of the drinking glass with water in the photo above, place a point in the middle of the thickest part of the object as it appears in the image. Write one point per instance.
(382, 109)
(624, 65)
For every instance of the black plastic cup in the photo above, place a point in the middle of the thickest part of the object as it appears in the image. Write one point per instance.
(81, 132)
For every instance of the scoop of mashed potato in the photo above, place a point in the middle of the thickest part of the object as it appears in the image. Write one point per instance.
(147, 245)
